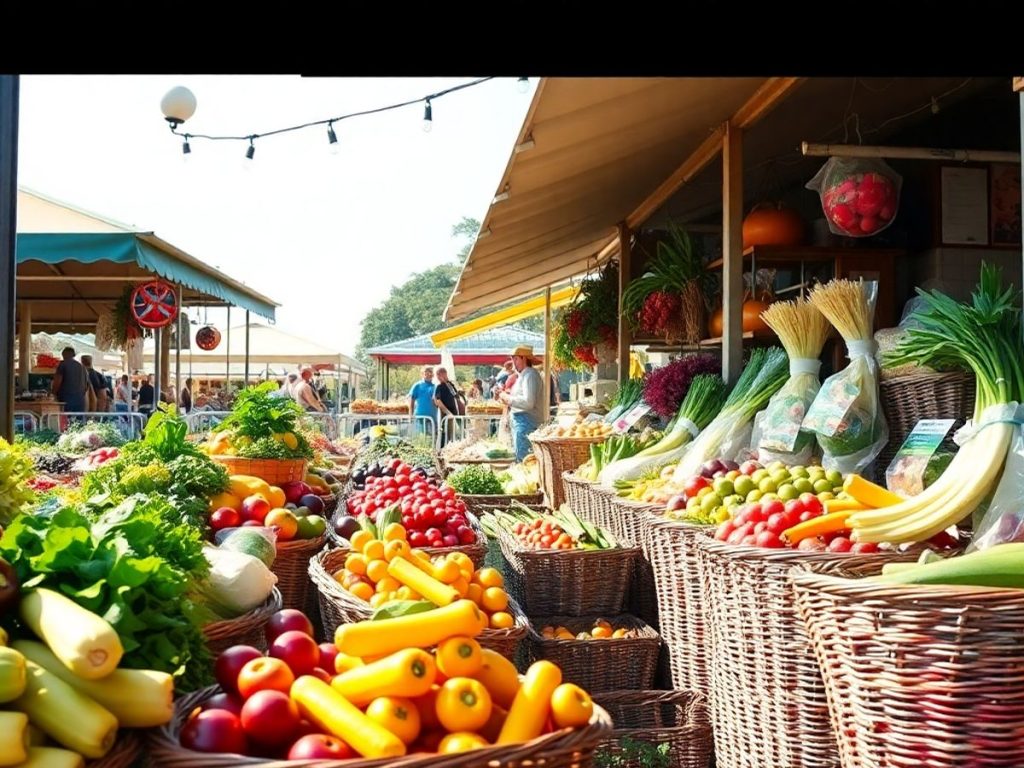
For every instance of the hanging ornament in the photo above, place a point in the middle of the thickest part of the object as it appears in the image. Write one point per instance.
(207, 338)
(154, 304)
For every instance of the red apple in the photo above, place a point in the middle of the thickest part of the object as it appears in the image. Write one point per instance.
(213, 730)
(255, 507)
(677, 502)
(270, 718)
(226, 701)
(225, 517)
(320, 746)
(298, 650)
(694, 485)
(230, 662)
(265, 674)
(328, 653)
(287, 620)
(322, 673)
(294, 491)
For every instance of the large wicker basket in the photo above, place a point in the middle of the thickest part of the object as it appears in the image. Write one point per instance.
(623, 663)
(291, 565)
(679, 590)
(562, 749)
(555, 456)
(246, 629)
(919, 675)
(908, 399)
(124, 754)
(575, 490)
(569, 582)
(273, 471)
(338, 606)
(768, 703)
(676, 718)
(629, 521)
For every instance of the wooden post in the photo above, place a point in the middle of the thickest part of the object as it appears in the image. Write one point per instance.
(732, 253)
(625, 265)
(8, 237)
(227, 358)
(24, 344)
(177, 345)
(547, 349)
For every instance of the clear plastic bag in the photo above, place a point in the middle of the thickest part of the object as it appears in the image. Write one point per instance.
(723, 439)
(777, 432)
(859, 196)
(1003, 520)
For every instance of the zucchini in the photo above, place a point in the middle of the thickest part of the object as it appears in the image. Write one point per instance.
(12, 675)
(13, 738)
(51, 757)
(138, 698)
(84, 642)
(66, 715)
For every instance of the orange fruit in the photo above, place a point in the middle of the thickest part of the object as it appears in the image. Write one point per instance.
(601, 632)
(475, 593)
(447, 572)
(284, 522)
(376, 570)
(388, 584)
(489, 577)
(396, 548)
(362, 590)
(461, 586)
(374, 550)
(394, 532)
(494, 599)
(378, 600)
(502, 620)
(359, 540)
(356, 564)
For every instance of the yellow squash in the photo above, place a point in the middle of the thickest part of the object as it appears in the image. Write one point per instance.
(51, 757)
(408, 673)
(412, 577)
(323, 706)
(84, 642)
(13, 738)
(532, 705)
(423, 630)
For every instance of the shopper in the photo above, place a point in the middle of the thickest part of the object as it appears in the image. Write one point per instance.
(146, 396)
(446, 398)
(525, 402)
(186, 397)
(305, 394)
(421, 398)
(123, 395)
(99, 398)
(71, 383)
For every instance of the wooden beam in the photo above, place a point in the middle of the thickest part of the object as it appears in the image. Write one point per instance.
(24, 344)
(909, 153)
(764, 100)
(694, 164)
(1018, 84)
(732, 252)
(625, 336)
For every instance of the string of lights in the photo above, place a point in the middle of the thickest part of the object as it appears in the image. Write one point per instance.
(179, 104)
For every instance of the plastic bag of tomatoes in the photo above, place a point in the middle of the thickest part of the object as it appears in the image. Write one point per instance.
(859, 196)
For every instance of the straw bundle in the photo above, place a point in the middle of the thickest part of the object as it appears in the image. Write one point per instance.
(848, 305)
(800, 326)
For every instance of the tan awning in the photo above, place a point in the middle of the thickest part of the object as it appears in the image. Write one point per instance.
(590, 151)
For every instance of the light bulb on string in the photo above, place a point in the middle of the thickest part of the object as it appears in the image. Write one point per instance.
(523, 84)
(250, 154)
(332, 140)
(186, 151)
(428, 117)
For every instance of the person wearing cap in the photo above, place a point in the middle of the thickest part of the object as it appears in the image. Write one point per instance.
(526, 402)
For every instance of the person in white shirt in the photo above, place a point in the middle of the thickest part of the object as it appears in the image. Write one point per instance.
(526, 401)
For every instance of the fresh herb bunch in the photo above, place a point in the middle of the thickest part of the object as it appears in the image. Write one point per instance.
(135, 567)
(167, 434)
(15, 468)
(256, 417)
(475, 479)
(384, 448)
(591, 320)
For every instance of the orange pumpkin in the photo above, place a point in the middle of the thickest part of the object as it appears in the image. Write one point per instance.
(772, 224)
(752, 322)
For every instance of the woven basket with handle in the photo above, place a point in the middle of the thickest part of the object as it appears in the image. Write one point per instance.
(908, 399)
(676, 718)
(929, 674)
(246, 629)
(273, 471)
(764, 675)
(555, 456)
(561, 749)
(600, 664)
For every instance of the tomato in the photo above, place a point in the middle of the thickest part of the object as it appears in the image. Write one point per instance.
(398, 715)
(418, 539)
(840, 544)
(812, 503)
(768, 540)
(864, 548)
(724, 530)
(773, 506)
(459, 657)
(794, 507)
(571, 706)
(463, 704)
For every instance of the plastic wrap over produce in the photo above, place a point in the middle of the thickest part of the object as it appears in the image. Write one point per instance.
(1003, 521)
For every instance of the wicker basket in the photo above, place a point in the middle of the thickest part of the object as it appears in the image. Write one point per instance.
(124, 754)
(330, 504)
(562, 749)
(623, 663)
(291, 565)
(768, 703)
(557, 456)
(477, 551)
(480, 504)
(246, 629)
(569, 582)
(679, 589)
(273, 471)
(677, 718)
(908, 399)
(575, 491)
(338, 606)
(922, 675)
(628, 521)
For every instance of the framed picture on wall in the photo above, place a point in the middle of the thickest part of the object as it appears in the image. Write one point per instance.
(1005, 203)
(964, 207)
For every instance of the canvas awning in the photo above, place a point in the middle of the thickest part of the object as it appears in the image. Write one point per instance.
(73, 267)
(589, 152)
(505, 316)
(490, 347)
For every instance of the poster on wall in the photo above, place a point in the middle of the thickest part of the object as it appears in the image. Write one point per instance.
(964, 206)
(1004, 194)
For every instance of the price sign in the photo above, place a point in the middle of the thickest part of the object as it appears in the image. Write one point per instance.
(631, 417)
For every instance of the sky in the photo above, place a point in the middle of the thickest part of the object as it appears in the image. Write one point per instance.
(324, 235)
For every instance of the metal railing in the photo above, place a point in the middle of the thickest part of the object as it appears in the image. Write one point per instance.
(480, 426)
(130, 425)
(25, 422)
(201, 422)
(351, 424)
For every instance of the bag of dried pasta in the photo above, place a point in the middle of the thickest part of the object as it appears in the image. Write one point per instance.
(802, 329)
(846, 414)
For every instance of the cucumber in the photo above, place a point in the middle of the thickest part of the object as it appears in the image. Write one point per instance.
(998, 566)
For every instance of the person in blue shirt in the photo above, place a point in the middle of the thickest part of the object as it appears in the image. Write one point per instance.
(421, 398)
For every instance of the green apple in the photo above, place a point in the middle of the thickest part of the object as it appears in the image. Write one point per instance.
(754, 495)
(732, 474)
(822, 486)
(732, 500)
(759, 475)
(723, 487)
(311, 526)
(788, 491)
(768, 485)
(780, 476)
(710, 502)
(743, 485)
(803, 485)
(835, 477)
(301, 512)
(826, 496)
(798, 471)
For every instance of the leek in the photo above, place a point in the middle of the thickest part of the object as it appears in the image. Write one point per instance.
(699, 407)
(984, 336)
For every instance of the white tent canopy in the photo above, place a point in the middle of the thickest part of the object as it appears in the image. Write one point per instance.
(268, 345)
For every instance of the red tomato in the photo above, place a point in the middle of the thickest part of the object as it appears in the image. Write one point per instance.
(724, 529)
(768, 540)
(771, 507)
(812, 503)
(840, 544)
(777, 523)
(864, 548)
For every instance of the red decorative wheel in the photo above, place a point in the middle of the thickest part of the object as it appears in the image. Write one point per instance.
(154, 304)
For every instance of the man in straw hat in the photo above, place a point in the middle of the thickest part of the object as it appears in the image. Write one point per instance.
(526, 403)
